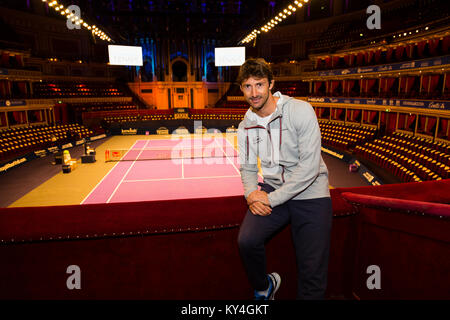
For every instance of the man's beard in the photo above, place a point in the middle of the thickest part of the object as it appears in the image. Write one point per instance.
(255, 109)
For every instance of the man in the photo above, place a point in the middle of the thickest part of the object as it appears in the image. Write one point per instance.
(284, 134)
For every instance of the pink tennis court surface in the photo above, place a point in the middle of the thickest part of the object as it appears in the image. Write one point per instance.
(148, 180)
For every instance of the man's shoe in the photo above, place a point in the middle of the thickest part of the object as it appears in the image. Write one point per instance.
(274, 284)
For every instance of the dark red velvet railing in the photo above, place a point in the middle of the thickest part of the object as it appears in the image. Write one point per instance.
(187, 249)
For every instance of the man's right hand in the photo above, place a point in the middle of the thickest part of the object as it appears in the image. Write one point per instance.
(259, 208)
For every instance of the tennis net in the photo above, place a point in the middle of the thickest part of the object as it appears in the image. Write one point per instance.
(169, 153)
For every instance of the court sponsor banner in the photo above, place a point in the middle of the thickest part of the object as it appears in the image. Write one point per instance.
(129, 131)
(368, 175)
(4, 167)
(336, 153)
(438, 105)
(362, 169)
(389, 67)
(12, 103)
(101, 136)
(15, 163)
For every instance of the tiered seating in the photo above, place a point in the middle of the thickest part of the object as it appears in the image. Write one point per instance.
(409, 158)
(60, 89)
(236, 104)
(19, 141)
(101, 106)
(212, 116)
(292, 88)
(431, 13)
(344, 136)
(134, 118)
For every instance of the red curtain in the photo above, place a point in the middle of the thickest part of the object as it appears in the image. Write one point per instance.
(443, 127)
(370, 83)
(433, 44)
(386, 84)
(421, 125)
(406, 83)
(359, 58)
(389, 53)
(317, 85)
(38, 116)
(19, 59)
(434, 79)
(410, 120)
(347, 59)
(383, 118)
(333, 85)
(5, 60)
(377, 56)
(22, 87)
(399, 52)
(3, 89)
(328, 62)
(369, 116)
(349, 84)
(337, 113)
(335, 60)
(445, 44)
(430, 124)
(392, 117)
(369, 57)
(16, 115)
(447, 81)
(2, 119)
(420, 48)
(425, 80)
(401, 121)
(362, 85)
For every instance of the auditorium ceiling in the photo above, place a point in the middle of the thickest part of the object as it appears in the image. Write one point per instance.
(126, 20)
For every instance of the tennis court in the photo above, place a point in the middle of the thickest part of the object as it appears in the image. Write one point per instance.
(170, 169)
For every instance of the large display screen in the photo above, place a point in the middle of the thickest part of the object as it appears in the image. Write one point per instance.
(125, 55)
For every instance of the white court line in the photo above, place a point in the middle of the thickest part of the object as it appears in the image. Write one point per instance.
(126, 173)
(96, 186)
(182, 168)
(227, 155)
(172, 179)
(237, 151)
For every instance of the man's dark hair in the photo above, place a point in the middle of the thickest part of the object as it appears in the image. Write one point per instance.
(257, 68)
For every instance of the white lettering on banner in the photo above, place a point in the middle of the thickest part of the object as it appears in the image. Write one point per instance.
(316, 99)
(130, 131)
(40, 153)
(368, 176)
(97, 137)
(337, 155)
(436, 105)
(73, 281)
(12, 164)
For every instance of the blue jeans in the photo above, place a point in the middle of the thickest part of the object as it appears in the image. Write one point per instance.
(311, 227)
